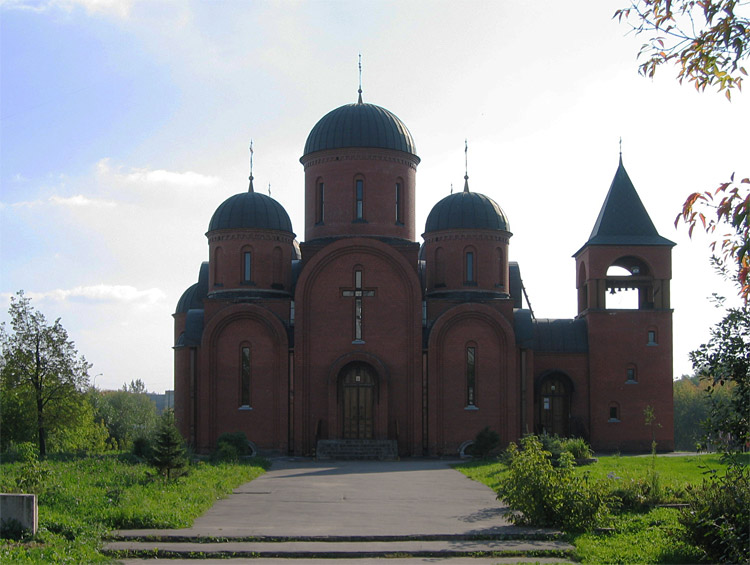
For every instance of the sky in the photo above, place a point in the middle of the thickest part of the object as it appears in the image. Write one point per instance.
(124, 124)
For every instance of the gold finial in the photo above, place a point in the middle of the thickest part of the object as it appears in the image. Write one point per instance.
(250, 189)
(359, 101)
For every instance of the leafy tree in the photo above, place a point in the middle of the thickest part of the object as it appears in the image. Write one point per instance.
(127, 414)
(706, 39)
(691, 409)
(722, 362)
(168, 455)
(41, 373)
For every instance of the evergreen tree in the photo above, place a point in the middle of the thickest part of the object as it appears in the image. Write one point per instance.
(169, 455)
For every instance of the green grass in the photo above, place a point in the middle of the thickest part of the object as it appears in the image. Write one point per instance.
(81, 500)
(651, 536)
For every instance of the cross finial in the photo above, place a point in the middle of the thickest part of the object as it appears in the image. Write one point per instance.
(250, 189)
(359, 101)
(451, 188)
(269, 189)
(620, 147)
(466, 165)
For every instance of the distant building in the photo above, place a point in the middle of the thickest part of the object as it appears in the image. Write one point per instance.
(163, 401)
(361, 332)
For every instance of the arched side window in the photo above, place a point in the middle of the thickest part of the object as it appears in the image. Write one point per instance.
(245, 377)
(471, 375)
(470, 266)
(320, 201)
(500, 268)
(614, 412)
(247, 265)
(277, 270)
(439, 267)
(652, 337)
(218, 266)
(400, 201)
(631, 374)
(359, 198)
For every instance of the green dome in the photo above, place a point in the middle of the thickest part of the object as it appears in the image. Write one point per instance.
(360, 125)
(250, 210)
(466, 210)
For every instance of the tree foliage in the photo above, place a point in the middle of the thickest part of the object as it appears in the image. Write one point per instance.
(168, 453)
(127, 414)
(42, 377)
(706, 39)
(727, 209)
(725, 360)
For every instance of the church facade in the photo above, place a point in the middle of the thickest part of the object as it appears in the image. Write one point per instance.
(361, 332)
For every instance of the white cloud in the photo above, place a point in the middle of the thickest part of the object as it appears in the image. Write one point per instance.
(79, 201)
(117, 8)
(103, 293)
(144, 176)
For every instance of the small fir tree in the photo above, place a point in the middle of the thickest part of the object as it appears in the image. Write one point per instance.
(169, 455)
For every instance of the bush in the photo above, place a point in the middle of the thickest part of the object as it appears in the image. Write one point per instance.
(142, 448)
(226, 452)
(718, 517)
(238, 440)
(484, 442)
(577, 447)
(541, 495)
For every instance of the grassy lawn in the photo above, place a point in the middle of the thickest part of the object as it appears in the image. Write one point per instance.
(651, 536)
(81, 500)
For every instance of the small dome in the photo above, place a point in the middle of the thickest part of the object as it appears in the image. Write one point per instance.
(360, 125)
(466, 210)
(250, 210)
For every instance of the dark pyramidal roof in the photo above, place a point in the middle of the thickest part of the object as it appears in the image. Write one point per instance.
(623, 219)
(360, 125)
(250, 210)
(466, 210)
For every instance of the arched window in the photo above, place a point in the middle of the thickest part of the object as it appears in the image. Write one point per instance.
(247, 265)
(359, 199)
(439, 267)
(500, 268)
(652, 337)
(399, 201)
(320, 201)
(470, 267)
(471, 375)
(277, 270)
(218, 266)
(614, 412)
(245, 376)
(631, 374)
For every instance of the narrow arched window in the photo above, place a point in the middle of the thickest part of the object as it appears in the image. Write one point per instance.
(469, 268)
(218, 266)
(320, 201)
(399, 203)
(277, 270)
(247, 266)
(359, 197)
(500, 268)
(245, 376)
(471, 376)
(614, 412)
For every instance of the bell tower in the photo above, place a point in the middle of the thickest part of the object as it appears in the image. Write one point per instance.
(630, 349)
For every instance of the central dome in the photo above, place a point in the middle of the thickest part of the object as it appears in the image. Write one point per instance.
(360, 125)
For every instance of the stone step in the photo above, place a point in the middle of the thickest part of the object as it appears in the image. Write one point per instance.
(340, 549)
(357, 449)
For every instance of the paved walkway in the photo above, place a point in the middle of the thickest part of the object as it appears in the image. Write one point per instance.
(306, 507)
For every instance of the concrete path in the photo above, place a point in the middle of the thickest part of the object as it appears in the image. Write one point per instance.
(303, 508)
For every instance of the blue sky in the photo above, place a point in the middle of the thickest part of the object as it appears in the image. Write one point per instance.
(124, 124)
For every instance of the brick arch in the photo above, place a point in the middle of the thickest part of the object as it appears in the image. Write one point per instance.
(500, 405)
(276, 381)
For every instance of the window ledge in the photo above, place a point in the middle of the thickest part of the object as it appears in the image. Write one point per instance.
(247, 283)
(470, 283)
(631, 382)
(245, 408)
(613, 421)
(358, 342)
(471, 407)
(652, 344)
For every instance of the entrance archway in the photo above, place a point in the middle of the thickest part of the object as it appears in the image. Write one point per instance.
(358, 391)
(553, 405)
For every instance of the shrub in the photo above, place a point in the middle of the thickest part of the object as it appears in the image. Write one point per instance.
(238, 440)
(541, 495)
(142, 447)
(226, 452)
(485, 441)
(577, 447)
(718, 517)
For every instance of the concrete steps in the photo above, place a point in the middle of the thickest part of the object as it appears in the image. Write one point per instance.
(357, 449)
(445, 547)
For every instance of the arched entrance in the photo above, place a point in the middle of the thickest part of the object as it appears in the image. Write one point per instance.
(553, 405)
(358, 391)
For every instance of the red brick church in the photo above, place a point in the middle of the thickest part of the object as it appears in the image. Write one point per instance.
(363, 333)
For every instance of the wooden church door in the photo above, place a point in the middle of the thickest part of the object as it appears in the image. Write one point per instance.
(554, 408)
(358, 395)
